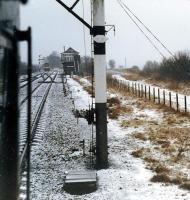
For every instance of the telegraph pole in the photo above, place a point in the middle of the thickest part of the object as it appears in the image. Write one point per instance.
(100, 83)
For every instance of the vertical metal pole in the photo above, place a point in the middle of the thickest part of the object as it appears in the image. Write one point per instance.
(100, 84)
(29, 93)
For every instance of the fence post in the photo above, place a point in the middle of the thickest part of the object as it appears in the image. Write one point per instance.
(164, 97)
(145, 91)
(158, 95)
(128, 87)
(154, 94)
(132, 87)
(135, 88)
(149, 93)
(185, 99)
(177, 102)
(139, 89)
(170, 99)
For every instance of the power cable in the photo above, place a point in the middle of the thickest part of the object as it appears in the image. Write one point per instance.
(148, 29)
(151, 42)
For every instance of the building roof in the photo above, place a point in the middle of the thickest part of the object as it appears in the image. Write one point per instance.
(71, 50)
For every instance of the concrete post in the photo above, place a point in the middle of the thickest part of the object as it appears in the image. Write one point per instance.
(100, 83)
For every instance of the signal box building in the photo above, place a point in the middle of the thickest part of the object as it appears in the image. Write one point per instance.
(70, 60)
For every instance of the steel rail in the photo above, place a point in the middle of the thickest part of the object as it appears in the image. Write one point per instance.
(33, 79)
(24, 100)
(35, 123)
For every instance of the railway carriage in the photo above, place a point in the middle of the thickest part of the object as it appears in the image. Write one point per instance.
(46, 66)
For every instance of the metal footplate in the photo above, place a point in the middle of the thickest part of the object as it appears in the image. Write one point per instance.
(81, 182)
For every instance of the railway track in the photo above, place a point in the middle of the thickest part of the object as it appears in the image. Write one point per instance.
(35, 128)
(35, 119)
(38, 76)
(35, 88)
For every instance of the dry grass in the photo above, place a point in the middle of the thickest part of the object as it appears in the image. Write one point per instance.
(115, 109)
(114, 112)
(140, 136)
(132, 76)
(171, 119)
(172, 85)
(87, 88)
(161, 169)
(138, 153)
(113, 101)
(176, 180)
(150, 160)
(163, 177)
(132, 123)
(185, 185)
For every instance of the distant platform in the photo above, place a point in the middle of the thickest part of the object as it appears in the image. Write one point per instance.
(80, 182)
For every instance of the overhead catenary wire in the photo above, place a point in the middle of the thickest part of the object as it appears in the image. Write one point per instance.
(151, 42)
(148, 29)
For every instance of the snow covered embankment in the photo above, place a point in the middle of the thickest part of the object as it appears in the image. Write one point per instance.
(127, 177)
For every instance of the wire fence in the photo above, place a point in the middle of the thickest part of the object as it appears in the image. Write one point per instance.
(156, 95)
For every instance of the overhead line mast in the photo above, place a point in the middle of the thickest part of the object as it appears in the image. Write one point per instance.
(98, 31)
(100, 82)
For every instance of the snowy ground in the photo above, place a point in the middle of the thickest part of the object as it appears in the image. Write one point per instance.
(59, 150)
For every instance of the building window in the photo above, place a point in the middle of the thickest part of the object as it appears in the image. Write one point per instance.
(67, 58)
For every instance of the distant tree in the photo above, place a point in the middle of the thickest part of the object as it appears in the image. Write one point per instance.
(86, 65)
(135, 68)
(112, 64)
(54, 59)
(24, 66)
(150, 67)
(177, 68)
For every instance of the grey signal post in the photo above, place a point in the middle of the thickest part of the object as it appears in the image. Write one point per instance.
(100, 83)
(98, 32)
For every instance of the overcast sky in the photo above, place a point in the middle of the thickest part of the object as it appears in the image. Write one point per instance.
(53, 28)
